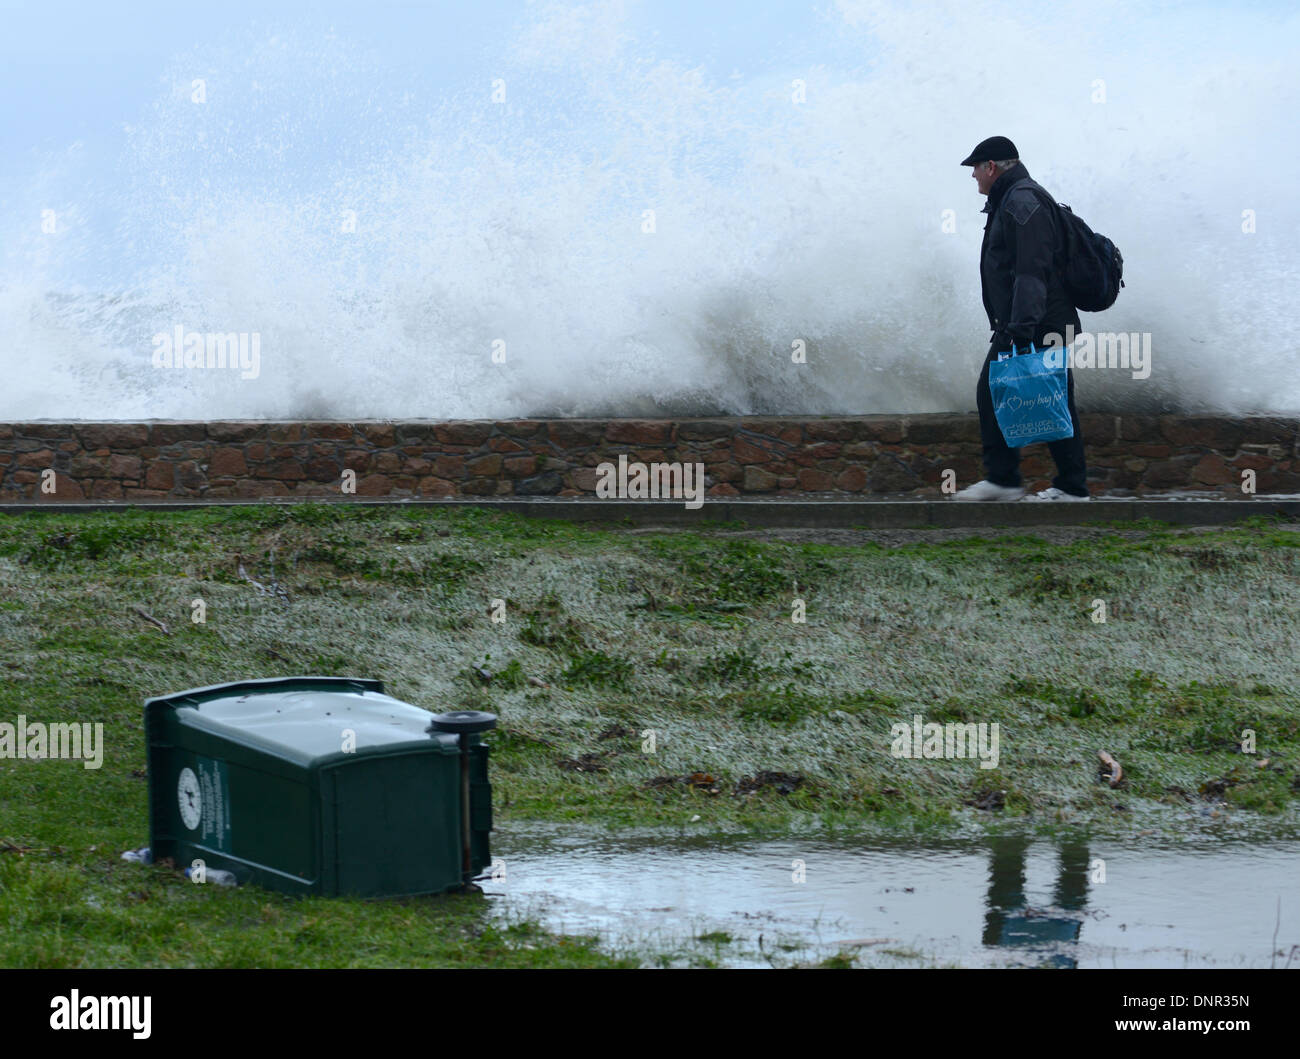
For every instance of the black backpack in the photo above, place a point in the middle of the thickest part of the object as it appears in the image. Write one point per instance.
(1094, 267)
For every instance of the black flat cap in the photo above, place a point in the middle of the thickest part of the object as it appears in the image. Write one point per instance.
(994, 149)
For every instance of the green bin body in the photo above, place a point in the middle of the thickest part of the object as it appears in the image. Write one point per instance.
(256, 777)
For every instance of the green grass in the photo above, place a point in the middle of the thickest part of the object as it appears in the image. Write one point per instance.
(655, 658)
(83, 907)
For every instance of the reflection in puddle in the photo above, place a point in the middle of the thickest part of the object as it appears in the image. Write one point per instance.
(1011, 922)
(1005, 901)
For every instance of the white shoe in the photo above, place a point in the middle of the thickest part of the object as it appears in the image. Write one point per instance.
(986, 490)
(1055, 494)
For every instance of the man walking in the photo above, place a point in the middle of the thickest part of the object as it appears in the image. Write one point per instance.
(1025, 298)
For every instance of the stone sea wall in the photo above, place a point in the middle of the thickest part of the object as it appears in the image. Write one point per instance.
(861, 456)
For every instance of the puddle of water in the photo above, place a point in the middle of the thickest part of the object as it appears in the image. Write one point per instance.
(991, 903)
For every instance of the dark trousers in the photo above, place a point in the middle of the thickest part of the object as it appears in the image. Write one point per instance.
(1002, 462)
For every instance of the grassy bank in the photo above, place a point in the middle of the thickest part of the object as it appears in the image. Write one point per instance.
(760, 723)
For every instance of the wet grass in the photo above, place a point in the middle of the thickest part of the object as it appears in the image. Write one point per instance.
(686, 680)
(80, 906)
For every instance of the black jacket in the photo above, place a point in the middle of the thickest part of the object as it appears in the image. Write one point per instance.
(1020, 263)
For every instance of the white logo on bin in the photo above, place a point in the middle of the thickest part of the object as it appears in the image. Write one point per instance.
(191, 801)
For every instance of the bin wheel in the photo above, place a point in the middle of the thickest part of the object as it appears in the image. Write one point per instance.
(463, 721)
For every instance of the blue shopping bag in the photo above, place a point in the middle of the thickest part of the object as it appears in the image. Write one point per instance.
(1030, 394)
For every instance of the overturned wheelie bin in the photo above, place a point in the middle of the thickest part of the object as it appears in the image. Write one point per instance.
(319, 785)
